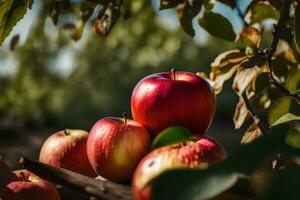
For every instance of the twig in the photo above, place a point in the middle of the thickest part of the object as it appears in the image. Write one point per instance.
(101, 189)
(278, 28)
(261, 125)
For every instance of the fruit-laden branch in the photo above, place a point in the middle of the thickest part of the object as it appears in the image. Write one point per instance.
(261, 125)
(278, 28)
(101, 189)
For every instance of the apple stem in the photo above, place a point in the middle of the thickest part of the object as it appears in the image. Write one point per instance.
(124, 117)
(67, 132)
(24, 177)
(173, 70)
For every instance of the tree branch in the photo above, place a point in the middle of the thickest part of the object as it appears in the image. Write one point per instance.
(278, 28)
(261, 125)
(101, 189)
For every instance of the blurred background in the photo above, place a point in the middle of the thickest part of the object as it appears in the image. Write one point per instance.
(49, 82)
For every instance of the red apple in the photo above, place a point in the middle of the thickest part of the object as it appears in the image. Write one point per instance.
(173, 99)
(24, 185)
(67, 149)
(115, 146)
(198, 154)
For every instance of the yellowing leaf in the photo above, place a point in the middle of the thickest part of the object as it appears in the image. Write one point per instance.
(240, 114)
(260, 12)
(249, 36)
(217, 25)
(224, 66)
(11, 11)
(284, 110)
(251, 134)
(243, 78)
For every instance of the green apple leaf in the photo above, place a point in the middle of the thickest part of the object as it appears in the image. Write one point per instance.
(11, 11)
(171, 135)
(293, 81)
(217, 25)
(224, 66)
(297, 27)
(186, 13)
(209, 183)
(261, 11)
(284, 110)
(293, 138)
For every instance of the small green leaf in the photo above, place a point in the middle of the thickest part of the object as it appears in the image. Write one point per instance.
(293, 138)
(217, 25)
(293, 81)
(249, 36)
(260, 12)
(171, 135)
(11, 11)
(284, 110)
(297, 27)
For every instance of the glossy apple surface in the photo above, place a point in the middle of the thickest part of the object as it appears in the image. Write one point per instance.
(173, 99)
(67, 149)
(198, 154)
(115, 146)
(24, 185)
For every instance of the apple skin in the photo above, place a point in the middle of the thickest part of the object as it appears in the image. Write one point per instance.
(115, 146)
(198, 154)
(67, 149)
(14, 187)
(159, 101)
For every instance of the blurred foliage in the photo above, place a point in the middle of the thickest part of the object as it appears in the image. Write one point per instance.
(105, 70)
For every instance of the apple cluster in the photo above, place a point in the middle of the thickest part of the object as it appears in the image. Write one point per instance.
(119, 149)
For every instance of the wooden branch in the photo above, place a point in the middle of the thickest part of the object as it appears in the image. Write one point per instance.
(101, 189)
(241, 14)
(278, 28)
(261, 125)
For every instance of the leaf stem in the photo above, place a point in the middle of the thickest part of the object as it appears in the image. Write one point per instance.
(240, 13)
(261, 125)
(278, 28)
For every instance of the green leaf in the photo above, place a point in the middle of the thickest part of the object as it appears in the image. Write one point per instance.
(197, 184)
(171, 135)
(293, 81)
(186, 12)
(297, 27)
(284, 110)
(217, 25)
(260, 12)
(293, 138)
(11, 11)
